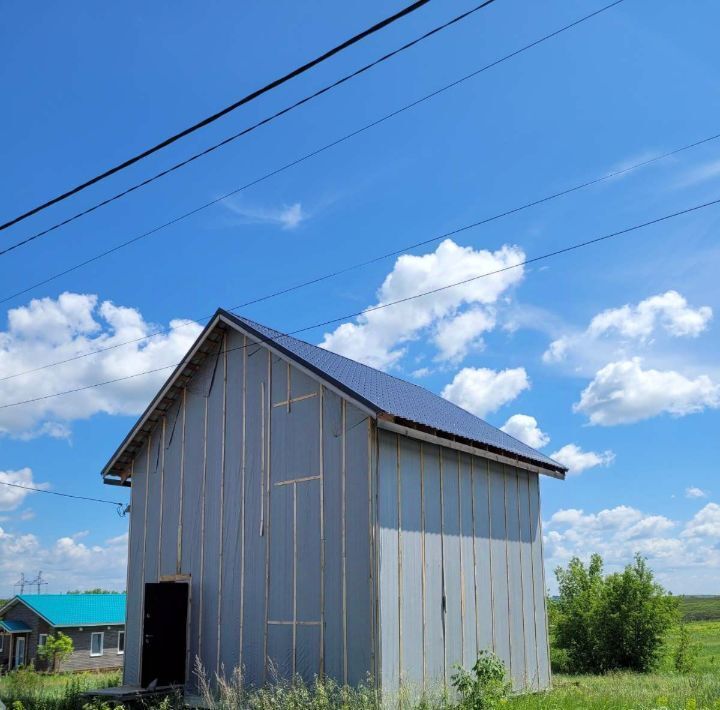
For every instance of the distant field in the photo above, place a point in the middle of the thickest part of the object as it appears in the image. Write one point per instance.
(700, 608)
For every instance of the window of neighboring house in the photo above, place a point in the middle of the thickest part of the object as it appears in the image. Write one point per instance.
(121, 642)
(42, 638)
(96, 643)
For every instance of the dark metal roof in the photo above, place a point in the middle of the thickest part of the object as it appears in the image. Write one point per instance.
(388, 394)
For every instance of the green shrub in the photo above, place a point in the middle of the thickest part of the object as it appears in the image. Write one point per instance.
(612, 622)
(686, 652)
(485, 686)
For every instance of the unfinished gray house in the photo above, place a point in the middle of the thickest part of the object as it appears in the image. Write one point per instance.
(296, 510)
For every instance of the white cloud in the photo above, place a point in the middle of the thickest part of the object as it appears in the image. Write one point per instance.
(482, 391)
(623, 392)
(48, 330)
(669, 311)
(66, 563)
(701, 173)
(379, 337)
(11, 497)
(286, 217)
(686, 557)
(454, 337)
(705, 523)
(576, 460)
(526, 429)
(693, 492)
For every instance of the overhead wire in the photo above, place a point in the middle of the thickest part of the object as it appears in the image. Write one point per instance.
(249, 129)
(219, 114)
(300, 160)
(523, 263)
(338, 272)
(118, 505)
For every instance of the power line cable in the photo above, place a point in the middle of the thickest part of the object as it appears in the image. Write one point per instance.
(219, 114)
(267, 120)
(118, 505)
(293, 163)
(526, 262)
(376, 259)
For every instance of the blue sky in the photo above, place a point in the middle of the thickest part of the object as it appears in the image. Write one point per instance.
(634, 393)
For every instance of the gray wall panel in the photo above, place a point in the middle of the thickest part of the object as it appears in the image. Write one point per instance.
(282, 541)
(233, 503)
(212, 515)
(411, 560)
(136, 554)
(172, 453)
(334, 648)
(280, 651)
(388, 561)
(483, 580)
(193, 490)
(152, 519)
(531, 670)
(515, 580)
(432, 538)
(308, 579)
(307, 652)
(295, 431)
(357, 544)
(539, 583)
(253, 601)
(498, 529)
(468, 563)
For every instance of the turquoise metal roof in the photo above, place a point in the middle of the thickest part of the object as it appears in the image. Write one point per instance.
(77, 609)
(14, 627)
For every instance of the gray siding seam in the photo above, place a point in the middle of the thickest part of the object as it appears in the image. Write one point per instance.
(343, 467)
(265, 490)
(490, 555)
(202, 526)
(399, 557)
(462, 571)
(293, 481)
(423, 560)
(522, 579)
(442, 565)
(474, 551)
(127, 571)
(242, 499)
(507, 567)
(294, 573)
(376, 528)
(142, 583)
(182, 483)
(222, 500)
(291, 400)
(532, 576)
(371, 548)
(544, 587)
(321, 463)
(162, 496)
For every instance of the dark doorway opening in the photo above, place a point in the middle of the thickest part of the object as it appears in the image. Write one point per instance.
(164, 633)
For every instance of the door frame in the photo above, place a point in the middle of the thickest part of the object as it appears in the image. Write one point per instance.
(23, 638)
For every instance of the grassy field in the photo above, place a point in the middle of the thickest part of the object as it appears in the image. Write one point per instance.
(700, 608)
(663, 690)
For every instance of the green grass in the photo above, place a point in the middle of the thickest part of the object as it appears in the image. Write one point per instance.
(700, 608)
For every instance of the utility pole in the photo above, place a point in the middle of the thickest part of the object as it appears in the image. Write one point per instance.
(39, 581)
(21, 583)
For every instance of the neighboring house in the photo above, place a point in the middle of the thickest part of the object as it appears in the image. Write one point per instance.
(94, 622)
(295, 510)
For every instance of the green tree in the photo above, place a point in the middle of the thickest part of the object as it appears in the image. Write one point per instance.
(611, 622)
(56, 649)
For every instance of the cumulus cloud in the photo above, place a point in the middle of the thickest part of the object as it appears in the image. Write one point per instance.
(482, 391)
(668, 311)
(286, 216)
(48, 330)
(694, 492)
(526, 429)
(576, 460)
(379, 337)
(686, 556)
(67, 563)
(624, 392)
(12, 497)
